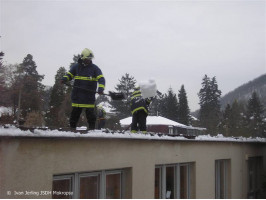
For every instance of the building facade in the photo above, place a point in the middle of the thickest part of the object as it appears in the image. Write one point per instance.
(108, 167)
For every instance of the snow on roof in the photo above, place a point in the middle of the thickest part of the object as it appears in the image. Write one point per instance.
(154, 120)
(15, 132)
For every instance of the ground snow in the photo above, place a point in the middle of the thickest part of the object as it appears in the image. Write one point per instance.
(13, 131)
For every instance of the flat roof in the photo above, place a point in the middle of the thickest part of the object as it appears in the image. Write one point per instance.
(99, 134)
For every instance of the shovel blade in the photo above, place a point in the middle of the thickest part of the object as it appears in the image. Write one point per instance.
(116, 96)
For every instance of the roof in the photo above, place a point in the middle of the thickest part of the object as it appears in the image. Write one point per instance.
(158, 120)
(99, 134)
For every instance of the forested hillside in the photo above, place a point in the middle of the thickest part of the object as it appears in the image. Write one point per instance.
(244, 92)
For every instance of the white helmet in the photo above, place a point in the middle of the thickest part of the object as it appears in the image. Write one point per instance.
(87, 54)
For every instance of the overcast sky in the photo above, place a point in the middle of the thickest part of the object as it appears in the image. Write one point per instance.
(174, 42)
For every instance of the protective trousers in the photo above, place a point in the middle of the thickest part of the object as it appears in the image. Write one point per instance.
(139, 121)
(101, 123)
(90, 115)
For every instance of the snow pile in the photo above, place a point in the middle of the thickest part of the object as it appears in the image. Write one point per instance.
(13, 131)
(154, 120)
(148, 88)
(106, 106)
(5, 110)
(221, 138)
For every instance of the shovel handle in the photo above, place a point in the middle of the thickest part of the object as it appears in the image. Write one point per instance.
(84, 89)
(114, 96)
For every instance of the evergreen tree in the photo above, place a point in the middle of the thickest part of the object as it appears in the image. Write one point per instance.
(183, 108)
(170, 106)
(156, 106)
(226, 125)
(31, 87)
(232, 123)
(254, 116)
(65, 107)
(209, 96)
(75, 60)
(57, 97)
(126, 85)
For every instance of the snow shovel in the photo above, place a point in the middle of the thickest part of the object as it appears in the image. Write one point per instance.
(113, 95)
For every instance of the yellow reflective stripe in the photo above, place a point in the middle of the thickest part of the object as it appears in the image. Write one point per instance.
(135, 96)
(70, 74)
(67, 77)
(133, 131)
(101, 85)
(98, 77)
(136, 92)
(140, 108)
(83, 105)
(85, 78)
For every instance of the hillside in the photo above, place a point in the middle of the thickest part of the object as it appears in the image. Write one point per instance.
(243, 93)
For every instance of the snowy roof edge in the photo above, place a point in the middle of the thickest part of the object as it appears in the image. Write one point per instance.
(97, 134)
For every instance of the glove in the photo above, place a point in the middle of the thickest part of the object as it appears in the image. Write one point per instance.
(63, 81)
(100, 91)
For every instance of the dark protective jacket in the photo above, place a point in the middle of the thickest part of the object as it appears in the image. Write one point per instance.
(138, 103)
(87, 77)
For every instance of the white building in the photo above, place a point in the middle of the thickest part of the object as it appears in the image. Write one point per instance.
(52, 164)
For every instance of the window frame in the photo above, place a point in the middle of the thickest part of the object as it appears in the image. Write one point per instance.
(76, 177)
(177, 179)
(226, 178)
(70, 177)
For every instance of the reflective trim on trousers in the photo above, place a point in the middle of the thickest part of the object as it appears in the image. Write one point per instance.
(83, 105)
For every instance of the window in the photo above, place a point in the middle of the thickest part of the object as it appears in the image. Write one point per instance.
(89, 186)
(92, 185)
(222, 183)
(171, 130)
(254, 177)
(61, 186)
(174, 181)
(113, 186)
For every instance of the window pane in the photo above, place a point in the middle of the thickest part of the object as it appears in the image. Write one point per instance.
(113, 186)
(183, 182)
(170, 182)
(60, 186)
(157, 183)
(221, 167)
(222, 179)
(89, 187)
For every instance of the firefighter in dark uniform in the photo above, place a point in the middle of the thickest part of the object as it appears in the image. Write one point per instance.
(86, 75)
(139, 110)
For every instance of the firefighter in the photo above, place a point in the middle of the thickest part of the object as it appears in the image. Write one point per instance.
(86, 75)
(139, 110)
(101, 114)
